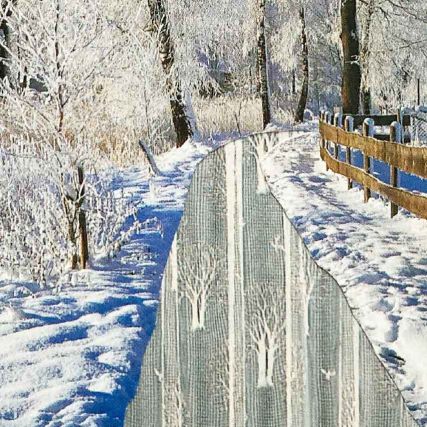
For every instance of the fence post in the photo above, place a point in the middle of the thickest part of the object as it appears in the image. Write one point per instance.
(395, 136)
(338, 120)
(348, 127)
(337, 123)
(328, 118)
(368, 130)
(322, 119)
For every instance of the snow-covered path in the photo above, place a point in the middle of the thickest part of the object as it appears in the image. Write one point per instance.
(72, 358)
(380, 262)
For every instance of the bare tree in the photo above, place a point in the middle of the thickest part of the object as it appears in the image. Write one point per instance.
(267, 328)
(351, 76)
(58, 53)
(160, 25)
(197, 275)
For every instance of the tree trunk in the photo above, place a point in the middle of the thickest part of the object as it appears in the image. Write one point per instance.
(72, 239)
(4, 28)
(351, 77)
(299, 114)
(84, 247)
(262, 65)
(294, 82)
(366, 101)
(364, 59)
(160, 26)
(59, 70)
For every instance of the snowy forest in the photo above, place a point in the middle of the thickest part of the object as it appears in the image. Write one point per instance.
(106, 107)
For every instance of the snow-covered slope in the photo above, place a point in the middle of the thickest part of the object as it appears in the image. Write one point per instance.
(71, 357)
(380, 262)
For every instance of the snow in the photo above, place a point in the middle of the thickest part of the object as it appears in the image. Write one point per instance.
(378, 261)
(72, 356)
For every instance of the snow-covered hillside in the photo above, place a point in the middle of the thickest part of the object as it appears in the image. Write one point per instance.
(380, 262)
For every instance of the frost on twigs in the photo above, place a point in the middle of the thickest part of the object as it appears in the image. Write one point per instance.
(54, 187)
(40, 196)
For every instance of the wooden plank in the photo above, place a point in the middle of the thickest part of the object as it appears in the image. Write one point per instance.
(406, 158)
(412, 202)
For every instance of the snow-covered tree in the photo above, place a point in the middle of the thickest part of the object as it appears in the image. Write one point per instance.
(161, 29)
(56, 53)
(395, 58)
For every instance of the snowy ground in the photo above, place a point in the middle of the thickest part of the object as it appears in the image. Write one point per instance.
(380, 262)
(72, 357)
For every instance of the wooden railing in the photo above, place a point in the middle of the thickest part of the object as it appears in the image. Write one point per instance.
(399, 156)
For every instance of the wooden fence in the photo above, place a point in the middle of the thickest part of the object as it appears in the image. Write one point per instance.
(389, 149)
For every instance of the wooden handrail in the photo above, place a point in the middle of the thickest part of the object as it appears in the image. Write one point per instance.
(409, 159)
(412, 202)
